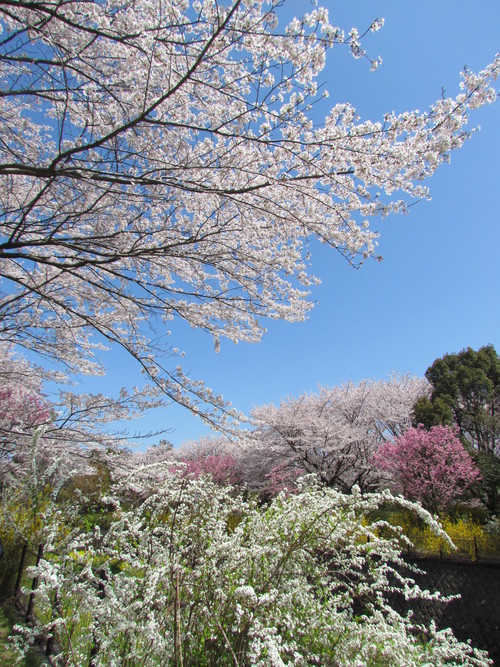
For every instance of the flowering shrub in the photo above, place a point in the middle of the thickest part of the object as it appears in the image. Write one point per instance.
(470, 539)
(178, 581)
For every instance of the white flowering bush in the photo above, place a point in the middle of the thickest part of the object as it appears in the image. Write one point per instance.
(196, 575)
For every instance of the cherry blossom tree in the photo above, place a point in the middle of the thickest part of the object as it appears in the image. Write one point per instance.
(283, 478)
(24, 414)
(333, 433)
(429, 466)
(222, 468)
(160, 160)
(21, 413)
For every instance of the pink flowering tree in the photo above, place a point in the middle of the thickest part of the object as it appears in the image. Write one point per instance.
(23, 412)
(23, 407)
(53, 439)
(221, 467)
(214, 456)
(431, 467)
(283, 477)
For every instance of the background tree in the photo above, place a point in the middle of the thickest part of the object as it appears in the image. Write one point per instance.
(466, 394)
(333, 433)
(160, 160)
(431, 467)
(210, 456)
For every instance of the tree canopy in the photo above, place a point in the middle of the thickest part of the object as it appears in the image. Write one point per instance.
(333, 433)
(161, 160)
(466, 393)
(431, 467)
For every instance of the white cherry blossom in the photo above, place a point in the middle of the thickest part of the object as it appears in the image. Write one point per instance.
(161, 160)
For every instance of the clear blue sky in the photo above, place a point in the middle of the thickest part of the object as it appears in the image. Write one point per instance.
(438, 288)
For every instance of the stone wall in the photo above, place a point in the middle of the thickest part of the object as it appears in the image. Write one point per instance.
(476, 616)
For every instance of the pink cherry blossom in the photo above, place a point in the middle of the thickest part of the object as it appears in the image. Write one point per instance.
(429, 466)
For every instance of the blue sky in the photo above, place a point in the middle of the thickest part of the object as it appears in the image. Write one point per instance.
(438, 288)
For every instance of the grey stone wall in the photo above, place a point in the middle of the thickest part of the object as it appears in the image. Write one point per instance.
(476, 616)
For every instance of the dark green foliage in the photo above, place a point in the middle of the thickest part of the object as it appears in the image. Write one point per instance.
(489, 465)
(9, 564)
(432, 413)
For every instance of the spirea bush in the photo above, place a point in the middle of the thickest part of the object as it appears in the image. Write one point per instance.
(196, 575)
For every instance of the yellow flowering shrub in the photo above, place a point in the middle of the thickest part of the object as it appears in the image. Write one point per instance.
(471, 539)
